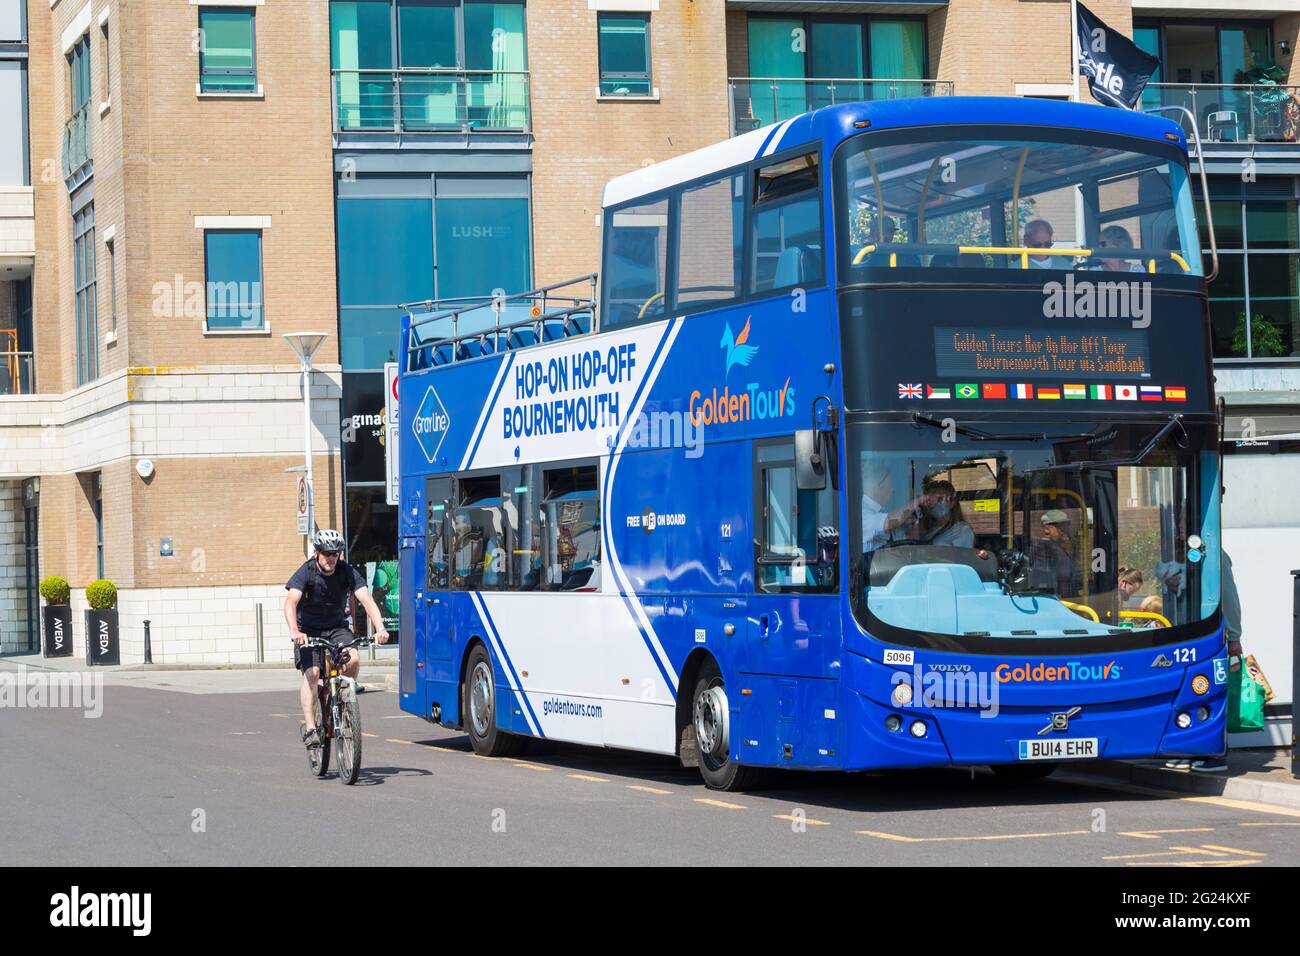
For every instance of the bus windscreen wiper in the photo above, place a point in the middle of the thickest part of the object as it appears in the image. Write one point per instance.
(980, 434)
(1175, 421)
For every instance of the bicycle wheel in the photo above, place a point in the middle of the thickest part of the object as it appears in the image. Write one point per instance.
(349, 737)
(318, 758)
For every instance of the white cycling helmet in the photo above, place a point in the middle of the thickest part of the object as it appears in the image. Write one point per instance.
(327, 539)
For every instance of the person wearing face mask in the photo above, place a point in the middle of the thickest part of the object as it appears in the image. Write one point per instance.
(942, 522)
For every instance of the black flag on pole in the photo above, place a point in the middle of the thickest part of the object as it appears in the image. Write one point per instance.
(1116, 69)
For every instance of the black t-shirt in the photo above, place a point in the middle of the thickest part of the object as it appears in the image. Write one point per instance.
(324, 603)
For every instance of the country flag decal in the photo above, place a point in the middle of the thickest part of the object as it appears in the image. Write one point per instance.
(1075, 391)
(995, 390)
(968, 390)
(1126, 393)
(909, 391)
(1151, 393)
(1175, 393)
(1022, 391)
(938, 391)
(1045, 391)
(1102, 393)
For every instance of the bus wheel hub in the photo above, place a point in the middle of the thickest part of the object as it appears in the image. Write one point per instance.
(711, 718)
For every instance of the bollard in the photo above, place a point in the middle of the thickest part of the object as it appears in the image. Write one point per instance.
(261, 646)
(1295, 672)
(148, 644)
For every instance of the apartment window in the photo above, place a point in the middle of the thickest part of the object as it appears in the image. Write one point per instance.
(624, 41)
(382, 53)
(802, 63)
(233, 275)
(227, 55)
(111, 246)
(97, 491)
(105, 53)
(83, 271)
(79, 67)
(1259, 269)
(14, 169)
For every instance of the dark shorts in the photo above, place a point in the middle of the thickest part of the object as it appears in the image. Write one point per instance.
(305, 658)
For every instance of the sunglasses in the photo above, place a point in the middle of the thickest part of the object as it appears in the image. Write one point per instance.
(329, 554)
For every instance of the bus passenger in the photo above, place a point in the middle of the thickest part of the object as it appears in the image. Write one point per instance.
(1038, 235)
(942, 522)
(1117, 237)
(1130, 582)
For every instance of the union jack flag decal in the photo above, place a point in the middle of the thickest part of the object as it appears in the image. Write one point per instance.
(909, 391)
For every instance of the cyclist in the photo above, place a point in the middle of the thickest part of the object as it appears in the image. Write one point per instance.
(317, 606)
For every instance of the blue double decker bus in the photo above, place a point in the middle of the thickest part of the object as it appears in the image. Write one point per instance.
(887, 438)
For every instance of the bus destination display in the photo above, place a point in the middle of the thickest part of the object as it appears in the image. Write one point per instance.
(1041, 353)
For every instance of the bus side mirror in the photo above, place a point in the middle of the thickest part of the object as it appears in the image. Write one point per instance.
(810, 460)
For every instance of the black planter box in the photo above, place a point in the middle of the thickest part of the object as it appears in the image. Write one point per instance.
(102, 645)
(56, 631)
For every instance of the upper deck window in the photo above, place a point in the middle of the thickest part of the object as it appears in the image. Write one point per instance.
(1062, 200)
(787, 224)
(636, 254)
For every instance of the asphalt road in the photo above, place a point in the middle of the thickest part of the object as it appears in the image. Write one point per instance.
(174, 775)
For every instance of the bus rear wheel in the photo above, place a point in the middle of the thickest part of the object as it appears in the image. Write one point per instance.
(479, 708)
(711, 719)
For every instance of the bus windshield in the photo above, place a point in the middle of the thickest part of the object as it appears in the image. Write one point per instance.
(947, 199)
(1033, 531)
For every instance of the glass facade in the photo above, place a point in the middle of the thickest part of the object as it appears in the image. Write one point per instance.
(427, 66)
(408, 238)
(83, 273)
(227, 57)
(1257, 226)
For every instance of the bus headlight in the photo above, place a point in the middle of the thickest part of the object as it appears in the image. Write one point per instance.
(918, 728)
(1202, 713)
(1183, 720)
(1200, 685)
(902, 695)
(893, 723)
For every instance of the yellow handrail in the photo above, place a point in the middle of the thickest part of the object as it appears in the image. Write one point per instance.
(1024, 252)
(1147, 616)
(1082, 609)
(649, 302)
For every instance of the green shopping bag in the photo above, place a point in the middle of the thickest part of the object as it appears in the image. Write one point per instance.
(1245, 702)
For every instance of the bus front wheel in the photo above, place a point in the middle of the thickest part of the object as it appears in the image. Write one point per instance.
(711, 719)
(479, 708)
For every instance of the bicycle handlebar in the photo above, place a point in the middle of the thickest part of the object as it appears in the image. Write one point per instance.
(321, 642)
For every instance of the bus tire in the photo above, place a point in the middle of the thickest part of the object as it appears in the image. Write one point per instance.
(1022, 771)
(479, 708)
(710, 724)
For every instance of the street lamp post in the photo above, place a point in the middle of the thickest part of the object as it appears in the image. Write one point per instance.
(305, 345)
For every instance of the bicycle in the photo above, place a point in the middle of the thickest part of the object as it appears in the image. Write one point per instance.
(338, 716)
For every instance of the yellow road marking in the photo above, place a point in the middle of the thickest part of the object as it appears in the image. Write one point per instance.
(1174, 795)
(285, 715)
(1268, 823)
(1172, 851)
(958, 839)
(1218, 863)
(394, 740)
(720, 803)
(530, 766)
(1229, 849)
(587, 776)
(794, 819)
(1154, 834)
(644, 789)
(368, 734)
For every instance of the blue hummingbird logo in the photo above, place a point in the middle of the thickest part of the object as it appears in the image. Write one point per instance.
(738, 352)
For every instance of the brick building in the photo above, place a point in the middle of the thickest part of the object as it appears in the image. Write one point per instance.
(324, 161)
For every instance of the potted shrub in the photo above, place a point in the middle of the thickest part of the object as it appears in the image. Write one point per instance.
(56, 618)
(102, 646)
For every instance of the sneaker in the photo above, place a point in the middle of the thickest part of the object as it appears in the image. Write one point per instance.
(361, 688)
(1178, 764)
(310, 737)
(1210, 765)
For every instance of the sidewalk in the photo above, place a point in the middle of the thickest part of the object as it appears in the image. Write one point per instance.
(1261, 776)
(385, 657)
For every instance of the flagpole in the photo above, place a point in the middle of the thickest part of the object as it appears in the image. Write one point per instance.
(1074, 46)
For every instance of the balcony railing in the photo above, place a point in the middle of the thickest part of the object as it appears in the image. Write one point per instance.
(430, 101)
(16, 373)
(76, 141)
(760, 101)
(1233, 113)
